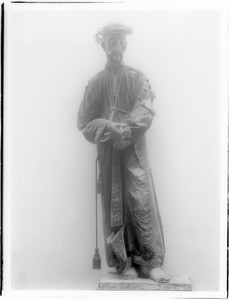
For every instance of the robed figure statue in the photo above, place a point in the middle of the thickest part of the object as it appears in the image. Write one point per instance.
(116, 111)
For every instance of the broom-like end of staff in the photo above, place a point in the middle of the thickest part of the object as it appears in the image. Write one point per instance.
(96, 260)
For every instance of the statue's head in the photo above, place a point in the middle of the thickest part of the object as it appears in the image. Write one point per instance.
(112, 38)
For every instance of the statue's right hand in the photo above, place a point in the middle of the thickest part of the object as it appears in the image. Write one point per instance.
(113, 127)
(118, 128)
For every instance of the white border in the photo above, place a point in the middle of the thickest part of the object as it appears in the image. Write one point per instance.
(127, 5)
(223, 6)
(6, 154)
(224, 145)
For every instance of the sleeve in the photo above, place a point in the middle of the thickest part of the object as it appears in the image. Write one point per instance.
(141, 117)
(89, 121)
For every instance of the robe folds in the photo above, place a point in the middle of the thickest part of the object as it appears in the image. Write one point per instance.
(128, 196)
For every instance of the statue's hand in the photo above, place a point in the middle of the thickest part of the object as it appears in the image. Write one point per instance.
(114, 127)
(122, 129)
(107, 137)
(126, 131)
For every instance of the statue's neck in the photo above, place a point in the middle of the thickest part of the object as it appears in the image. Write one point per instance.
(114, 67)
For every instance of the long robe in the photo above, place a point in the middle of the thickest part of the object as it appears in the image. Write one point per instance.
(128, 195)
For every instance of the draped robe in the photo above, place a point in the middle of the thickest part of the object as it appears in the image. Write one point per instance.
(128, 195)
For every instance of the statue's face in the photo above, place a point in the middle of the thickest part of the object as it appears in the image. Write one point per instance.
(115, 47)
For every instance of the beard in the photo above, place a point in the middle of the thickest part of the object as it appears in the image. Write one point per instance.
(115, 56)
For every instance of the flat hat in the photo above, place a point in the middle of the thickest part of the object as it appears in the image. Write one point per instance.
(111, 29)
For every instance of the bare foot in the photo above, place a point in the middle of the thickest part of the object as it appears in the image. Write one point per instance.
(158, 275)
(130, 273)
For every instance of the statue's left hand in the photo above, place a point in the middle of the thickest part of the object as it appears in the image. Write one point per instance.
(107, 137)
(125, 131)
(122, 130)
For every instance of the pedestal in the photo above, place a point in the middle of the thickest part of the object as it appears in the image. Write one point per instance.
(113, 281)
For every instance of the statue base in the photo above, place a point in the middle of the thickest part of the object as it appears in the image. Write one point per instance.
(113, 281)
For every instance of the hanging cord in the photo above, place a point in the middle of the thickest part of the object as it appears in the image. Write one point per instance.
(96, 200)
(96, 259)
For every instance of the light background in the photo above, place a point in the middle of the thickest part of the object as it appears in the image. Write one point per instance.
(53, 55)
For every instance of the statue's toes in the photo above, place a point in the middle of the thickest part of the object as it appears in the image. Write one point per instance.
(131, 273)
(159, 276)
(163, 279)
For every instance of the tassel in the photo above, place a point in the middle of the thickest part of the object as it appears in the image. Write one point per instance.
(96, 260)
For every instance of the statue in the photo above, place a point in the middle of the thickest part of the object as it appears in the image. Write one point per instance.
(116, 111)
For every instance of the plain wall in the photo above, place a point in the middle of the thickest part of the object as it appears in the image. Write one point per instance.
(53, 55)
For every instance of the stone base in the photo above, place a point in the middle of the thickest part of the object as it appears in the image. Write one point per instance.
(113, 281)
